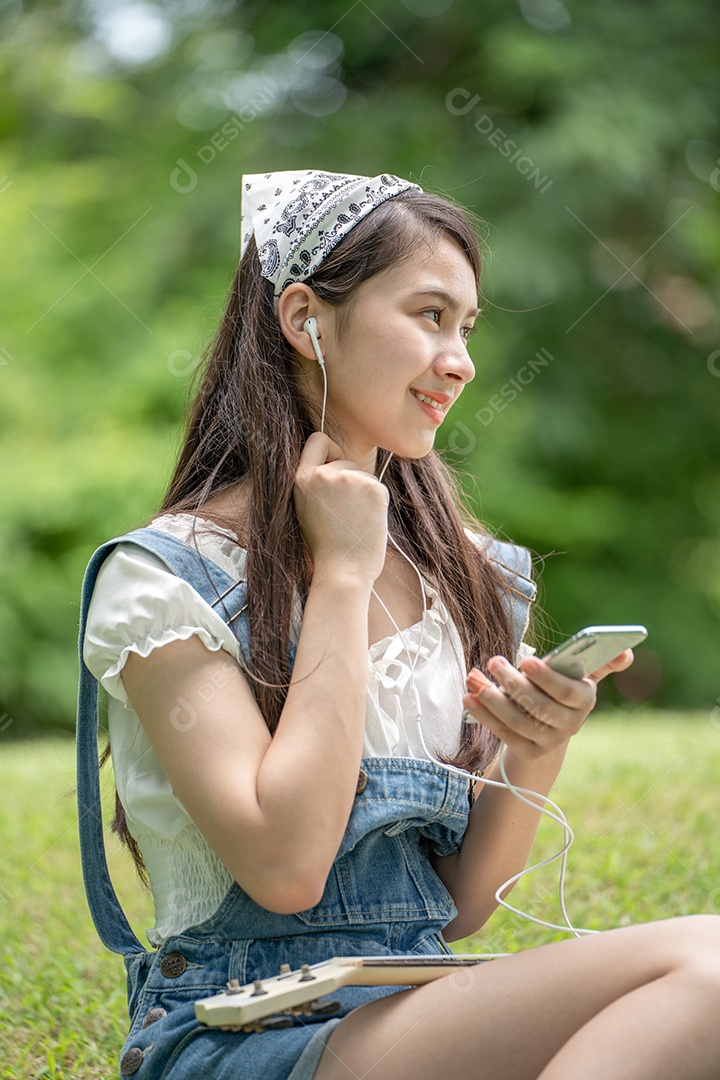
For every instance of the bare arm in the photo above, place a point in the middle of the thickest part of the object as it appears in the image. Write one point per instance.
(501, 829)
(275, 810)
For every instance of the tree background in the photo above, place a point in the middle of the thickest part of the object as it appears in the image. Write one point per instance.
(590, 433)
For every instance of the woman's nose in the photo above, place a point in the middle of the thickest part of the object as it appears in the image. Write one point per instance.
(456, 364)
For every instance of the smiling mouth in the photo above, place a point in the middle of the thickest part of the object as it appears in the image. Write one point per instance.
(430, 401)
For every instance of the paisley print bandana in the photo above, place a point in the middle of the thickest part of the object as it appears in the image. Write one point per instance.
(298, 217)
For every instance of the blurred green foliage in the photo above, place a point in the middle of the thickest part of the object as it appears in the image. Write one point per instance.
(590, 433)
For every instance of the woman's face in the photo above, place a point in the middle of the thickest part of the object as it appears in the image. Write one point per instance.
(406, 338)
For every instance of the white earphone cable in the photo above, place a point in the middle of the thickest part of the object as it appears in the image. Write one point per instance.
(523, 794)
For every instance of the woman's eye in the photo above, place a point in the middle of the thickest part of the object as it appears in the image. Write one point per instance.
(435, 313)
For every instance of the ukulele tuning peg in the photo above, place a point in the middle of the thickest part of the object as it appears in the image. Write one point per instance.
(285, 969)
(233, 987)
(323, 1008)
(275, 1023)
(306, 974)
(258, 989)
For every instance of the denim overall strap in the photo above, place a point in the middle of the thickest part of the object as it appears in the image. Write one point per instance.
(228, 597)
(515, 564)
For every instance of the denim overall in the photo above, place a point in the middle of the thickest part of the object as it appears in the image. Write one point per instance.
(382, 896)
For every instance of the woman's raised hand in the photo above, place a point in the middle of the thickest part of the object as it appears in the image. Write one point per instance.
(342, 511)
(534, 710)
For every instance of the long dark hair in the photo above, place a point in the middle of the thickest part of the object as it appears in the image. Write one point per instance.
(248, 421)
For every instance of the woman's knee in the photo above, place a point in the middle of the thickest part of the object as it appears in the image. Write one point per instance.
(699, 932)
(701, 950)
(692, 944)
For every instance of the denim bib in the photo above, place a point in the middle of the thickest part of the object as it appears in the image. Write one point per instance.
(382, 896)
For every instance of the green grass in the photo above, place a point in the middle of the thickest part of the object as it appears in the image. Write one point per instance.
(62, 995)
(638, 789)
(640, 793)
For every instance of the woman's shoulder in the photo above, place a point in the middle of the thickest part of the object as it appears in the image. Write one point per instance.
(217, 528)
(205, 533)
(138, 603)
(134, 580)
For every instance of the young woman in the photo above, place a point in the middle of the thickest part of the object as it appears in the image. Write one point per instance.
(289, 650)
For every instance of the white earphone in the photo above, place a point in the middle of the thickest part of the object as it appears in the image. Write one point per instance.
(310, 326)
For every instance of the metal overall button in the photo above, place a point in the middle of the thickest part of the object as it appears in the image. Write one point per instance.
(152, 1015)
(173, 965)
(131, 1061)
(361, 782)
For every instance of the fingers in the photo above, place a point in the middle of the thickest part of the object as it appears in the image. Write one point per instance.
(341, 510)
(320, 450)
(533, 711)
(573, 693)
(624, 660)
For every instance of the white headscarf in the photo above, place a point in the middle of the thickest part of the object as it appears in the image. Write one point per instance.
(298, 217)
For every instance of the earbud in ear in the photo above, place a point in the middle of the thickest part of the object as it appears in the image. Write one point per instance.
(310, 327)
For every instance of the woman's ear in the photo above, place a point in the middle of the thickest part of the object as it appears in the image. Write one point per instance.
(298, 303)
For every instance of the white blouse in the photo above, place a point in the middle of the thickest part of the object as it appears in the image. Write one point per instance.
(138, 605)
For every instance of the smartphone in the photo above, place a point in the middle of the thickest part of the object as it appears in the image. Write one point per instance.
(592, 648)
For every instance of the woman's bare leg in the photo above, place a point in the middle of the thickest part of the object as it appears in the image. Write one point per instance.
(638, 1003)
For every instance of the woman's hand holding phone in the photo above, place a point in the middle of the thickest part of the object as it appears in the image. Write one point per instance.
(535, 709)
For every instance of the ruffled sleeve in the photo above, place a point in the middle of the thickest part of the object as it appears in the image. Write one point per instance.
(139, 605)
